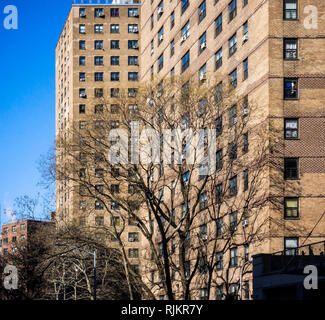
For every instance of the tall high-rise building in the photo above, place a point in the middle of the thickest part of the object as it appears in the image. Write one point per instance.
(273, 52)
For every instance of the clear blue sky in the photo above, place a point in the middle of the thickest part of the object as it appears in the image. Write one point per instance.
(27, 93)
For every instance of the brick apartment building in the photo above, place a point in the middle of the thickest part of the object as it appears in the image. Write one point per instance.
(15, 235)
(264, 46)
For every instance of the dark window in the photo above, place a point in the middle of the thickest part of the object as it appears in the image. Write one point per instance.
(290, 9)
(185, 4)
(82, 61)
(99, 61)
(82, 108)
(115, 28)
(99, 13)
(133, 61)
(82, 76)
(233, 79)
(219, 59)
(172, 48)
(115, 76)
(219, 160)
(98, 44)
(219, 192)
(232, 9)
(218, 25)
(291, 208)
(233, 151)
(233, 222)
(203, 265)
(233, 186)
(233, 116)
(82, 44)
(202, 11)
(291, 168)
(245, 67)
(99, 92)
(219, 292)
(115, 60)
(203, 42)
(115, 12)
(219, 261)
(99, 76)
(185, 61)
(82, 13)
(245, 3)
(203, 201)
(115, 44)
(219, 225)
(291, 128)
(219, 91)
(160, 62)
(133, 253)
(245, 144)
(99, 205)
(291, 88)
(172, 20)
(246, 180)
(133, 44)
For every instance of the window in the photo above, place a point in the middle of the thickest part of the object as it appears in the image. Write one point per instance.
(203, 201)
(203, 73)
(233, 257)
(219, 160)
(219, 224)
(82, 76)
(133, 61)
(152, 21)
(204, 294)
(132, 92)
(82, 93)
(246, 252)
(115, 12)
(219, 261)
(232, 9)
(291, 168)
(219, 292)
(245, 3)
(133, 44)
(23, 226)
(115, 60)
(245, 32)
(232, 45)
(234, 288)
(219, 59)
(115, 76)
(203, 230)
(185, 61)
(98, 44)
(246, 184)
(218, 25)
(115, 44)
(133, 28)
(82, 28)
(172, 20)
(99, 13)
(133, 253)
(133, 13)
(99, 205)
(245, 67)
(219, 191)
(291, 208)
(290, 88)
(99, 61)
(115, 221)
(99, 221)
(133, 237)
(233, 79)
(99, 28)
(233, 116)
(185, 31)
(290, 49)
(246, 144)
(115, 92)
(172, 48)
(14, 239)
(82, 45)
(202, 11)
(99, 76)
(233, 186)
(185, 4)
(290, 246)
(233, 151)
(99, 92)
(219, 91)
(291, 128)
(233, 221)
(115, 28)
(115, 206)
(99, 173)
(82, 13)
(160, 62)
(290, 9)
(82, 61)
(203, 42)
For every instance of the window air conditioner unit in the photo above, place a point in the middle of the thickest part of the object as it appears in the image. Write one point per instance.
(245, 37)
(134, 46)
(204, 237)
(101, 14)
(82, 95)
(160, 10)
(131, 240)
(203, 77)
(161, 37)
(152, 51)
(82, 15)
(203, 45)
(245, 223)
(183, 38)
(245, 112)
